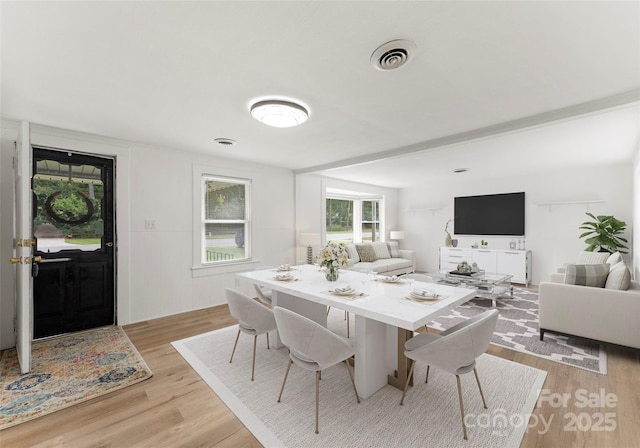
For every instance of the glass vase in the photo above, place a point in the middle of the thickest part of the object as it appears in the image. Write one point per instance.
(331, 274)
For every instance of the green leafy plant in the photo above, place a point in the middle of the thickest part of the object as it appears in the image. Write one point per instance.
(602, 234)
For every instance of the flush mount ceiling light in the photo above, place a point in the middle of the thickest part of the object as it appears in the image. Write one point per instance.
(393, 54)
(278, 113)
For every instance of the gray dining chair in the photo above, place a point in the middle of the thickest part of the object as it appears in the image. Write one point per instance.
(312, 347)
(264, 294)
(455, 351)
(253, 319)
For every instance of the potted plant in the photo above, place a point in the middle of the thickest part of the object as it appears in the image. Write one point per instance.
(603, 234)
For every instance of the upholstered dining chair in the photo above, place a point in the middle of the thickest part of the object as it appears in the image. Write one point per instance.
(454, 350)
(312, 347)
(264, 294)
(253, 319)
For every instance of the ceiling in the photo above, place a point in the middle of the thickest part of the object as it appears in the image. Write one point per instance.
(180, 74)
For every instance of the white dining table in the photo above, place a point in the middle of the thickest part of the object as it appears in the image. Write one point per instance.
(384, 317)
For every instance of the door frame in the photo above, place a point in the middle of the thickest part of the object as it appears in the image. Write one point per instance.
(23, 249)
(121, 151)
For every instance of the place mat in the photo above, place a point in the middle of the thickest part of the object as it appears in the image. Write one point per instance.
(392, 282)
(425, 299)
(353, 295)
(292, 279)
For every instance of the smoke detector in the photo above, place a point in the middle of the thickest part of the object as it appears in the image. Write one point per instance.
(393, 54)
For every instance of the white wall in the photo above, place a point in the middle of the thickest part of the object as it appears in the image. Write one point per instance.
(551, 231)
(310, 204)
(154, 267)
(635, 234)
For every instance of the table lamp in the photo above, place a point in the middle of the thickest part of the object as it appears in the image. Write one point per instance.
(309, 240)
(396, 234)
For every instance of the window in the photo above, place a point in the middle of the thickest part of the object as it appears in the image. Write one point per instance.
(370, 220)
(225, 223)
(339, 220)
(353, 219)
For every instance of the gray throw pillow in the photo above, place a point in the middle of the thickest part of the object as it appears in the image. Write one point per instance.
(394, 249)
(381, 250)
(587, 274)
(366, 252)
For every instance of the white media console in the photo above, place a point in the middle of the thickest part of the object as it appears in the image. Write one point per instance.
(513, 262)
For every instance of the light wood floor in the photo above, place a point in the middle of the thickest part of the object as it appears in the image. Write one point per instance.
(176, 408)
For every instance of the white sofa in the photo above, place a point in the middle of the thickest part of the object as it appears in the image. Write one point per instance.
(394, 261)
(604, 314)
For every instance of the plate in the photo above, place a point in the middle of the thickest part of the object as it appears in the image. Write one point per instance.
(284, 268)
(417, 298)
(389, 279)
(284, 277)
(348, 292)
(424, 294)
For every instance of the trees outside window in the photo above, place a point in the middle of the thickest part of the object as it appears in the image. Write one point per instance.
(353, 219)
(225, 220)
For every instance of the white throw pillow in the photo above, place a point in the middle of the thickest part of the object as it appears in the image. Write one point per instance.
(614, 259)
(381, 250)
(585, 257)
(619, 277)
(353, 252)
(587, 274)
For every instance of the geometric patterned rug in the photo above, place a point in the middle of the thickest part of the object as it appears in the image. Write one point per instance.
(517, 329)
(67, 370)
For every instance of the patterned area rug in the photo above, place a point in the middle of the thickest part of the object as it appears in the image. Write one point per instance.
(518, 330)
(68, 370)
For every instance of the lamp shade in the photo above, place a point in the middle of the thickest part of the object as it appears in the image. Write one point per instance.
(309, 239)
(396, 234)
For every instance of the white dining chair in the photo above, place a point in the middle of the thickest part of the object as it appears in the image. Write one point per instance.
(455, 351)
(253, 319)
(312, 347)
(264, 294)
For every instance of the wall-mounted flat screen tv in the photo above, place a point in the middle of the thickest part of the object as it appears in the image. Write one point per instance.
(493, 214)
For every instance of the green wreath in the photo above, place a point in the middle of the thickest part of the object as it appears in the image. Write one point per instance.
(53, 215)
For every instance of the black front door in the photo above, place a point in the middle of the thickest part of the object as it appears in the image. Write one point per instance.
(73, 222)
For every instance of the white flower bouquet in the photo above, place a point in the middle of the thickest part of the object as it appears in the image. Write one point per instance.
(333, 256)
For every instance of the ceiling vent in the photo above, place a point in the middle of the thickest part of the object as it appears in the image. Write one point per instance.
(393, 55)
(225, 141)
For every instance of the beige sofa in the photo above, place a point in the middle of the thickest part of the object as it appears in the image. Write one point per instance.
(606, 314)
(383, 258)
